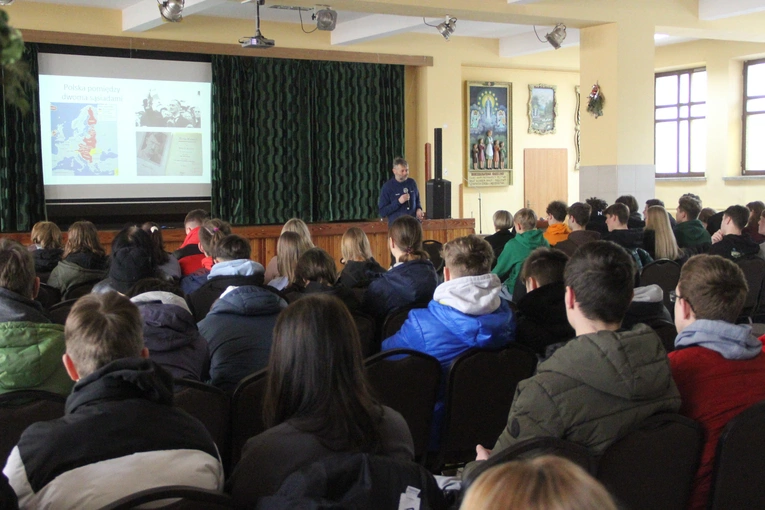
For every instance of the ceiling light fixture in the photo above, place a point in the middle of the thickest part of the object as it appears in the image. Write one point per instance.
(6, 2)
(446, 28)
(326, 18)
(556, 37)
(257, 40)
(171, 10)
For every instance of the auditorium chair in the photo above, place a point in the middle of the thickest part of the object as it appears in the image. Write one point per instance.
(60, 311)
(79, 290)
(365, 324)
(395, 319)
(665, 273)
(180, 497)
(666, 330)
(211, 406)
(434, 253)
(20, 409)
(754, 272)
(407, 381)
(480, 389)
(247, 412)
(740, 462)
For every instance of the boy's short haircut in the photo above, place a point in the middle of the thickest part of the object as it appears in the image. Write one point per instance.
(628, 200)
(526, 218)
(693, 196)
(580, 212)
(197, 216)
(653, 201)
(503, 220)
(232, 247)
(545, 265)
(707, 213)
(714, 287)
(468, 256)
(621, 212)
(690, 206)
(557, 210)
(739, 214)
(602, 276)
(102, 328)
(17, 268)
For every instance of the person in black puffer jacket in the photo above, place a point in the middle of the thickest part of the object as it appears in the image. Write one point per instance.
(46, 238)
(360, 267)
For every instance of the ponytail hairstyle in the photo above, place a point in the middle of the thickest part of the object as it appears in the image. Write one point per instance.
(406, 233)
(289, 249)
(82, 237)
(158, 254)
(211, 233)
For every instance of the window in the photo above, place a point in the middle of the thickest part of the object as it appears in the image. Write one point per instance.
(680, 123)
(753, 159)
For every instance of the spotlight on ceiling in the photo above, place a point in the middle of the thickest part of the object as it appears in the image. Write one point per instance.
(557, 35)
(326, 19)
(448, 27)
(171, 10)
(6, 2)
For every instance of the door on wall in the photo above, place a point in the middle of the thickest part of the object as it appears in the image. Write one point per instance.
(545, 178)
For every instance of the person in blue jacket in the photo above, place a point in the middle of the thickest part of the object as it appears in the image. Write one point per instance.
(466, 312)
(399, 196)
(411, 280)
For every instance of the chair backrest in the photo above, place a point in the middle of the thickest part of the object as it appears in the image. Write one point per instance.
(480, 389)
(365, 324)
(48, 296)
(434, 253)
(79, 290)
(211, 406)
(247, 412)
(740, 462)
(407, 381)
(754, 272)
(395, 319)
(662, 272)
(667, 331)
(60, 311)
(179, 497)
(20, 409)
(654, 465)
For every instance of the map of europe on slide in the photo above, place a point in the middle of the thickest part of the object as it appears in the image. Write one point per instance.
(84, 139)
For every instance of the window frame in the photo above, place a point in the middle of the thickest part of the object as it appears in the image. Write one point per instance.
(745, 115)
(677, 173)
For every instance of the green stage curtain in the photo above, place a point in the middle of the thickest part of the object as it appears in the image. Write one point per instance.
(298, 138)
(22, 201)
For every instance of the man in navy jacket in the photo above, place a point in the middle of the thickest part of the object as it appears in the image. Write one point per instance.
(399, 196)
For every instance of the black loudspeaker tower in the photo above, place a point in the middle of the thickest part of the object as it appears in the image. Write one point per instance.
(439, 191)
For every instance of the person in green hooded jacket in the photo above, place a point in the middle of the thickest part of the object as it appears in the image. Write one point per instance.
(527, 239)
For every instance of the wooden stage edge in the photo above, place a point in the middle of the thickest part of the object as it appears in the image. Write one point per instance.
(328, 236)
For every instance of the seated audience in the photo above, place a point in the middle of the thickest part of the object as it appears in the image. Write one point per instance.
(704, 216)
(634, 222)
(359, 265)
(165, 263)
(130, 261)
(578, 218)
(30, 346)
(316, 273)
(121, 433)
(647, 306)
(604, 382)
(297, 226)
(84, 259)
(46, 238)
(656, 201)
(503, 232)
(169, 330)
(689, 231)
(597, 216)
(466, 313)
(557, 230)
(542, 320)
(209, 234)
(411, 280)
(617, 216)
(544, 483)
(526, 240)
(718, 366)
(756, 209)
(189, 255)
(238, 330)
(658, 239)
(288, 251)
(317, 402)
(730, 242)
(233, 266)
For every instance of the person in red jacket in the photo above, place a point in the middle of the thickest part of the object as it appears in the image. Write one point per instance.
(718, 366)
(189, 255)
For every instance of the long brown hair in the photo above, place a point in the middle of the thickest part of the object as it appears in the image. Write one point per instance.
(82, 237)
(316, 378)
(158, 253)
(406, 233)
(211, 233)
(289, 249)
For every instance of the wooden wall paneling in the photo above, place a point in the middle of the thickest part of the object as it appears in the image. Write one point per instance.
(545, 178)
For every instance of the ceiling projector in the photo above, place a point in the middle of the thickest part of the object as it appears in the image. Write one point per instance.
(256, 41)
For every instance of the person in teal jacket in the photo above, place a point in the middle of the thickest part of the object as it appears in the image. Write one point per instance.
(527, 239)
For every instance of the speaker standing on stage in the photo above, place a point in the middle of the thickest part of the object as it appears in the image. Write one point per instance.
(399, 196)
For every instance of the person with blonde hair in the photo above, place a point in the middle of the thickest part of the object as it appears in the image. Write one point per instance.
(297, 226)
(83, 260)
(411, 280)
(658, 238)
(47, 243)
(288, 250)
(360, 267)
(527, 239)
(543, 483)
(503, 225)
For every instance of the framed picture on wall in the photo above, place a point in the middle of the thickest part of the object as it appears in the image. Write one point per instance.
(489, 143)
(543, 109)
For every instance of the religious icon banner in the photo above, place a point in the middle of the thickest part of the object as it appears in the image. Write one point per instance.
(489, 132)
